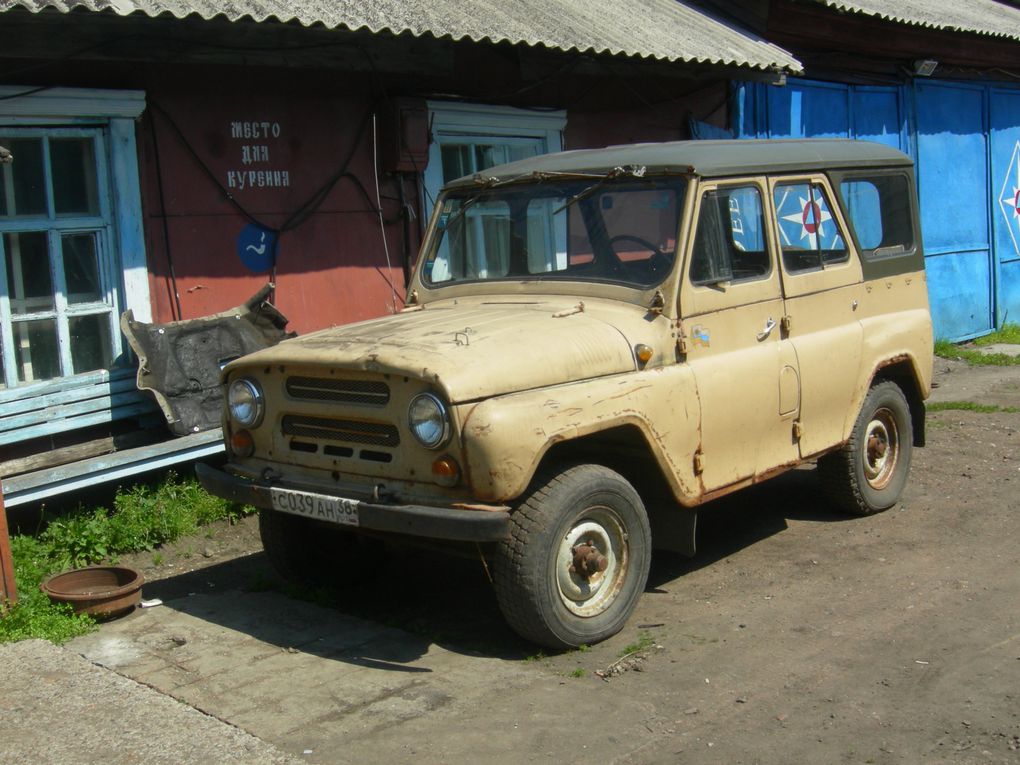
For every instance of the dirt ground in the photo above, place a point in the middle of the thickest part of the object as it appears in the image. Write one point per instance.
(795, 634)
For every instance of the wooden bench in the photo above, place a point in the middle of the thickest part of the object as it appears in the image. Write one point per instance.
(59, 435)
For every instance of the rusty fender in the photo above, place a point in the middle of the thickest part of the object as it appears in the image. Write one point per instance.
(505, 438)
(889, 342)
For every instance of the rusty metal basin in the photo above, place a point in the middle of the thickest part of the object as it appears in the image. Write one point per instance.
(102, 591)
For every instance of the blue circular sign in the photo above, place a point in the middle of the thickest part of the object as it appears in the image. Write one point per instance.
(256, 247)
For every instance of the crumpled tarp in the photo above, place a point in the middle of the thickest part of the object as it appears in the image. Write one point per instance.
(180, 362)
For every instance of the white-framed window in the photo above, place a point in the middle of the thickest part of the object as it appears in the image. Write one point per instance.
(469, 138)
(70, 231)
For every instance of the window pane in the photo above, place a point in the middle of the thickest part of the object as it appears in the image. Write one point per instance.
(456, 161)
(730, 244)
(90, 342)
(460, 159)
(879, 211)
(490, 155)
(35, 348)
(28, 272)
(621, 231)
(81, 268)
(73, 163)
(807, 228)
(475, 244)
(22, 182)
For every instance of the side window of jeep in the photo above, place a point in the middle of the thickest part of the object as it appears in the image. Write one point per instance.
(808, 232)
(878, 208)
(729, 244)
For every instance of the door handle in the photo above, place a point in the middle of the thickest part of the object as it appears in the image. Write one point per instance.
(767, 329)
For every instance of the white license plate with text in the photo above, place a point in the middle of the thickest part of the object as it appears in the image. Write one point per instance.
(318, 506)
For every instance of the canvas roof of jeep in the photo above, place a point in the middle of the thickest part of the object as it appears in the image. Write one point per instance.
(705, 158)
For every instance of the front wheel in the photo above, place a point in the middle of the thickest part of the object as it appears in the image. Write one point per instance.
(869, 472)
(577, 559)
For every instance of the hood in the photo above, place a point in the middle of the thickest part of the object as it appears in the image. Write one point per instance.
(472, 350)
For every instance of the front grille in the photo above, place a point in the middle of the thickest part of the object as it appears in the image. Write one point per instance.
(348, 431)
(368, 392)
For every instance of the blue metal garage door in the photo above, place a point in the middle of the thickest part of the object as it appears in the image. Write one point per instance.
(965, 139)
(1005, 169)
(952, 177)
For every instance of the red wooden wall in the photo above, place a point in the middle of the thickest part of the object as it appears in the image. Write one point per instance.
(204, 137)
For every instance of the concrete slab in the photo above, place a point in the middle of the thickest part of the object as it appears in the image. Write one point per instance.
(60, 708)
(331, 688)
(1007, 349)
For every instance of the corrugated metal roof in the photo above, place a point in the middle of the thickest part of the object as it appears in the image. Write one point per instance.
(983, 17)
(666, 30)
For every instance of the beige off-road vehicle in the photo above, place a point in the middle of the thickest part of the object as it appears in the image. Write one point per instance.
(596, 343)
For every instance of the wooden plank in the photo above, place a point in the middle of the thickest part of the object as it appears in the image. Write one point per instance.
(87, 420)
(33, 487)
(44, 387)
(81, 451)
(25, 426)
(36, 403)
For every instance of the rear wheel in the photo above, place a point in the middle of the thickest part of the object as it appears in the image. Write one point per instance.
(577, 560)
(869, 472)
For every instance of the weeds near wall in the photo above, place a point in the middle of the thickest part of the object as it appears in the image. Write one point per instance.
(969, 352)
(143, 518)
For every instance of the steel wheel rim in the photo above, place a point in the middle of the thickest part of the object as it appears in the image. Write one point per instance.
(592, 595)
(881, 449)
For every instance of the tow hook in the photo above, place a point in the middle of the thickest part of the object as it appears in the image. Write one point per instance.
(587, 560)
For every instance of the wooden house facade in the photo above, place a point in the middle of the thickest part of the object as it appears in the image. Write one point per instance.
(171, 159)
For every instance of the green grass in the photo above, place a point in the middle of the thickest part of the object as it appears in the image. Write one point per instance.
(578, 672)
(1010, 333)
(969, 406)
(644, 641)
(143, 518)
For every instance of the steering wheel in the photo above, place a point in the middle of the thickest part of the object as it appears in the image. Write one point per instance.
(659, 261)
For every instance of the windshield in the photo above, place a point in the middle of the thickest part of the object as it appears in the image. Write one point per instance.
(618, 231)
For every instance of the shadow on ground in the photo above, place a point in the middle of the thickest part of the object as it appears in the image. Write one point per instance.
(449, 601)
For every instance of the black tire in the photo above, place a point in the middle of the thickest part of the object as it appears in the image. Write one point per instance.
(868, 473)
(541, 596)
(305, 552)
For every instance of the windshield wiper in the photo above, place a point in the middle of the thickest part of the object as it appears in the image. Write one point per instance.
(634, 171)
(457, 214)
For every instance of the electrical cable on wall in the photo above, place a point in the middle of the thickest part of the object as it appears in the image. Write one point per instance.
(171, 272)
(299, 215)
(382, 225)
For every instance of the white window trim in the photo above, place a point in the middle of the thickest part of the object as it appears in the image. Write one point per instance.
(451, 119)
(61, 103)
(118, 109)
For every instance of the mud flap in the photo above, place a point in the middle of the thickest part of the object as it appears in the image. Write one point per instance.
(673, 527)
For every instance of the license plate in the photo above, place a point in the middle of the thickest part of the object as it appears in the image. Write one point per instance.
(318, 506)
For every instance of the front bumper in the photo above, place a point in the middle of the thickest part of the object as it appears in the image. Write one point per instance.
(450, 523)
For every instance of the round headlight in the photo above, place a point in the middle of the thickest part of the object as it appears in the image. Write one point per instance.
(428, 420)
(245, 402)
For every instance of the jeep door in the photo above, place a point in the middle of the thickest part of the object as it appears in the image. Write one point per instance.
(731, 307)
(821, 277)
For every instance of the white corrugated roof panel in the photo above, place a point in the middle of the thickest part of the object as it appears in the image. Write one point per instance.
(665, 30)
(983, 17)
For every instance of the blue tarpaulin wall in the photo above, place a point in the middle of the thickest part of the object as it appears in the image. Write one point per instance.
(965, 141)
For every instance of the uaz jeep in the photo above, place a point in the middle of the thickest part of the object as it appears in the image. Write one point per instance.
(595, 344)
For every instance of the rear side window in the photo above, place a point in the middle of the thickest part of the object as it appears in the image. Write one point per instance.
(808, 232)
(878, 208)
